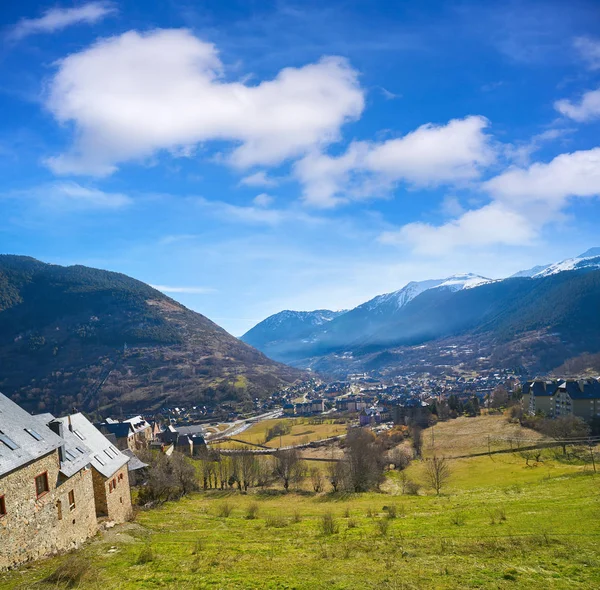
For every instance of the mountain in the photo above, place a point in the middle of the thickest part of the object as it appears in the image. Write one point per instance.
(279, 338)
(588, 260)
(99, 340)
(535, 320)
(272, 334)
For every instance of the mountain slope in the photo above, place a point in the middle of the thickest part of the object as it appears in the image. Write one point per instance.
(97, 339)
(542, 315)
(352, 328)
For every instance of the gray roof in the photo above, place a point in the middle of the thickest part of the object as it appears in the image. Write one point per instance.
(20, 431)
(103, 456)
(135, 462)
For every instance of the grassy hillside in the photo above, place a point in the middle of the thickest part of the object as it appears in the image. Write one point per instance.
(102, 340)
(499, 524)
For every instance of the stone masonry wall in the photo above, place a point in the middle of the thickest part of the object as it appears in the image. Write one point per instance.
(35, 527)
(114, 504)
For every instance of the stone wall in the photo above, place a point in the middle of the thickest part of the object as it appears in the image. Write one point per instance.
(113, 503)
(34, 527)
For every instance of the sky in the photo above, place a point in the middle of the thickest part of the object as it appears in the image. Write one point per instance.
(251, 156)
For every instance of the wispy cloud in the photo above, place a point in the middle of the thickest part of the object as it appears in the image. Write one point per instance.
(57, 19)
(67, 196)
(589, 49)
(186, 290)
(255, 215)
(259, 178)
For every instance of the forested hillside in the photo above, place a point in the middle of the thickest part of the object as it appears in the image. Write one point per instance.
(78, 336)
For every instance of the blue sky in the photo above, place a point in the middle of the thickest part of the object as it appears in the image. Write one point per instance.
(248, 157)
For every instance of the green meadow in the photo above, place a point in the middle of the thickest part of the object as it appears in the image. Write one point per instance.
(497, 524)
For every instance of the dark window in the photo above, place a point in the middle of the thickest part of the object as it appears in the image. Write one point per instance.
(41, 484)
(80, 450)
(71, 500)
(2, 506)
(70, 455)
(78, 435)
(59, 509)
(99, 460)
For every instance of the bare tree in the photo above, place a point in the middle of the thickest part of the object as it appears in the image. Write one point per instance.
(565, 429)
(336, 474)
(399, 458)
(365, 460)
(248, 469)
(416, 435)
(316, 479)
(437, 472)
(288, 467)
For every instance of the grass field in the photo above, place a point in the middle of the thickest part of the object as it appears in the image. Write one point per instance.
(302, 432)
(498, 524)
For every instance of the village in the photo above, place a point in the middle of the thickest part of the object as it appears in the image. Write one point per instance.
(62, 479)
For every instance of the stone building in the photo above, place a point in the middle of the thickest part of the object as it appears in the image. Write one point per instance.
(48, 497)
(110, 476)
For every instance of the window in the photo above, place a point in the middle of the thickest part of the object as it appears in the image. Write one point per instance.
(41, 484)
(59, 509)
(99, 460)
(120, 476)
(80, 450)
(71, 500)
(2, 506)
(33, 433)
(8, 442)
(70, 455)
(78, 434)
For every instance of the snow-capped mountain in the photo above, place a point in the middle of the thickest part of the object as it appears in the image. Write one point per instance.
(401, 297)
(426, 310)
(287, 325)
(588, 260)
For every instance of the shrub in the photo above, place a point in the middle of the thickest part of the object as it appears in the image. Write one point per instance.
(352, 524)
(329, 525)
(252, 511)
(296, 517)
(383, 525)
(146, 555)
(70, 573)
(275, 521)
(458, 518)
(225, 510)
(198, 546)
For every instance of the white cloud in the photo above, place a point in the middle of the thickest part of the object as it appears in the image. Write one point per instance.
(259, 178)
(587, 109)
(589, 50)
(431, 155)
(263, 200)
(136, 94)
(524, 201)
(574, 174)
(491, 225)
(57, 19)
(186, 290)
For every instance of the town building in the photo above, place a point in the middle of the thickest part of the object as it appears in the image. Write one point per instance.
(49, 498)
(561, 398)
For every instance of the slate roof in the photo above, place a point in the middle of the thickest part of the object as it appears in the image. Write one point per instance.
(135, 462)
(541, 388)
(588, 389)
(119, 429)
(19, 434)
(103, 456)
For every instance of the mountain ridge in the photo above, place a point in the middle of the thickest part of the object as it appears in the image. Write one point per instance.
(98, 340)
(440, 309)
